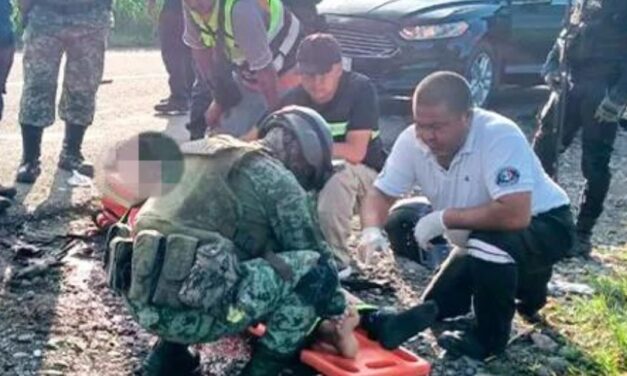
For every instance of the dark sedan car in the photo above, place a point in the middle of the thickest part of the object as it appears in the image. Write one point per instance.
(398, 42)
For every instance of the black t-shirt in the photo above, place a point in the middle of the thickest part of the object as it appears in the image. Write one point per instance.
(355, 106)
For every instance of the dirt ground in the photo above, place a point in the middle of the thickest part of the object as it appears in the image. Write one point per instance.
(60, 319)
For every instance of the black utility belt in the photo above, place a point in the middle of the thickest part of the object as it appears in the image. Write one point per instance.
(67, 9)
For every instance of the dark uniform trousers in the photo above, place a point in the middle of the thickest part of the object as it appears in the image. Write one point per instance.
(202, 96)
(6, 61)
(589, 89)
(176, 56)
(496, 290)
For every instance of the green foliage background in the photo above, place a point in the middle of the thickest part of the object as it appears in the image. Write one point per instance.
(133, 26)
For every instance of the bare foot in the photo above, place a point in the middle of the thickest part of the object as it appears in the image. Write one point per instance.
(339, 335)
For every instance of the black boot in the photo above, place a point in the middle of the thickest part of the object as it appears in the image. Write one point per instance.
(391, 328)
(7, 192)
(29, 169)
(583, 246)
(71, 157)
(463, 343)
(171, 359)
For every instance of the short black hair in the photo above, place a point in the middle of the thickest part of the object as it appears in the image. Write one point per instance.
(448, 88)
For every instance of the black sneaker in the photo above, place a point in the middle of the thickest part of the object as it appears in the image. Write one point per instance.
(28, 172)
(462, 343)
(391, 328)
(75, 162)
(171, 359)
(173, 106)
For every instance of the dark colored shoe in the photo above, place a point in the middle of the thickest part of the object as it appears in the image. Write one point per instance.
(7, 192)
(171, 359)
(195, 132)
(392, 328)
(71, 157)
(29, 169)
(460, 343)
(583, 248)
(73, 162)
(5, 203)
(172, 106)
(28, 172)
(531, 317)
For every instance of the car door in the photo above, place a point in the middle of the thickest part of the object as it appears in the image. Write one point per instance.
(534, 25)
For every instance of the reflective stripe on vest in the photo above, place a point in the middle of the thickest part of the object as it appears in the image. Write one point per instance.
(283, 31)
(341, 128)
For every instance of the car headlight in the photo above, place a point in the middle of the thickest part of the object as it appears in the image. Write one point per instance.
(425, 32)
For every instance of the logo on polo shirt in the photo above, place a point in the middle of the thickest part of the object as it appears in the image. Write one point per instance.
(507, 176)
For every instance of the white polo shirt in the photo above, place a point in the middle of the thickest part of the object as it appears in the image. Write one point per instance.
(495, 160)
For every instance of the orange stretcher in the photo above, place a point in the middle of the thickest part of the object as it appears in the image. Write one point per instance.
(371, 359)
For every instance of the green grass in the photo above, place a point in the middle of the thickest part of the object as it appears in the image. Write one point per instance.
(597, 326)
(133, 27)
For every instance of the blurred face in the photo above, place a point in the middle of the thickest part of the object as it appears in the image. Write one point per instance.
(443, 131)
(322, 87)
(201, 6)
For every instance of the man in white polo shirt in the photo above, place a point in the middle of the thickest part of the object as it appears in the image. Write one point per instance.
(490, 197)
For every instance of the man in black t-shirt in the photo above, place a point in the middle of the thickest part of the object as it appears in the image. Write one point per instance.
(348, 102)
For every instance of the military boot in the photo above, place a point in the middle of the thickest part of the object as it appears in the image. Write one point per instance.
(71, 157)
(583, 247)
(29, 169)
(171, 359)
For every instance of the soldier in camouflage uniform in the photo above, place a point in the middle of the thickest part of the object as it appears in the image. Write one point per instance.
(593, 47)
(242, 246)
(78, 29)
(258, 254)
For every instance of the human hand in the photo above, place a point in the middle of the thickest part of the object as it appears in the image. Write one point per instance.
(372, 239)
(429, 227)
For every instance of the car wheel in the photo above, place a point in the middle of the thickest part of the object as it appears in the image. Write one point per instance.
(482, 73)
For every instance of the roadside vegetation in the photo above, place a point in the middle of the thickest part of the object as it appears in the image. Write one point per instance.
(597, 325)
(133, 28)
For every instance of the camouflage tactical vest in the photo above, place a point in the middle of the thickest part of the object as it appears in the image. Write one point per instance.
(202, 202)
(183, 250)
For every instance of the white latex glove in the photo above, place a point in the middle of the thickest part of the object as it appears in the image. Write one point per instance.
(372, 239)
(458, 238)
(428, 227)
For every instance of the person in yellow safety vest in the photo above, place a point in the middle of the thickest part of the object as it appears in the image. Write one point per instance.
(259, 39)
(348, 102)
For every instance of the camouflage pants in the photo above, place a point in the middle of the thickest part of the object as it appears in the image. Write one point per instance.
(260, 295)
(84, 49)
